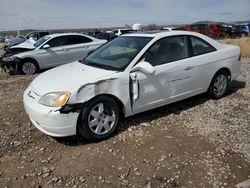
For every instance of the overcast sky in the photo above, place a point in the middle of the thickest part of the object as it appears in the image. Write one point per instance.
(57, 14)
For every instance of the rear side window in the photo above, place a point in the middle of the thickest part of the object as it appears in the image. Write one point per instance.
(58, 41)
(76, 39)
(200, 47)
(167, 50)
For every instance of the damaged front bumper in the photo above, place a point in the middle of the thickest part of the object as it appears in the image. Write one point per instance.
(10, 64)
(49, 120)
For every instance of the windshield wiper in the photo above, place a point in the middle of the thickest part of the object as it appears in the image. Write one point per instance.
(94, 64)
(100, 65)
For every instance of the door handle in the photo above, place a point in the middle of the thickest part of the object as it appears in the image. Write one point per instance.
(189, 68)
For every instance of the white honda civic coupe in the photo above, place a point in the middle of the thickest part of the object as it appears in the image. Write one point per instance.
(131, 74)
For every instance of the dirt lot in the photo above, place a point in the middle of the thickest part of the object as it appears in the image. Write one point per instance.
(193, 143)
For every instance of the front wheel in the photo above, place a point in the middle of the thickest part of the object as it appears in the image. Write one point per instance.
(218, 85)
(99, 118)
(28, 68)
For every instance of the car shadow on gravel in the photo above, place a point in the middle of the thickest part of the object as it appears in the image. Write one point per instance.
(145, 117)
(235, 86)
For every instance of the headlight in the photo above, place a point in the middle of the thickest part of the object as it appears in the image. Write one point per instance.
(11, 58)
(55, 99)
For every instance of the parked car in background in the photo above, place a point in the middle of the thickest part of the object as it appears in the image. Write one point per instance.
(119, 32)
(106, 36)
(13, 41)
(1, 39)
(32, 37)
(199, 28)
(211, 30)
(171, 28)
(130, 74)
(243, 30)
(49, 51)
(216, 31)
(91, 33)
(230, 31)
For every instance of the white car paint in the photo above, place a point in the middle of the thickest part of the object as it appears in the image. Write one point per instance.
(54, 56)
(119, 32)
(168, 83)
(28, 44)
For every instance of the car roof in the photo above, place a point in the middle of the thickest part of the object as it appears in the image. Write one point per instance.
(160, 33)
(163, 33)
(64, 34)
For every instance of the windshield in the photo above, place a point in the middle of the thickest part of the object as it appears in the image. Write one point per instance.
(41, 41)
(117, 54)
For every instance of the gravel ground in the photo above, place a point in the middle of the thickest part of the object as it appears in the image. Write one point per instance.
(193, 143)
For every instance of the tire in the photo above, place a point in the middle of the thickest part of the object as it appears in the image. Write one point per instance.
(243, 35)
(219, 85)
(28, 67)
(104, 114)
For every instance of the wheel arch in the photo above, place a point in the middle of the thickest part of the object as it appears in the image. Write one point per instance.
(224, 69)
(29, 59)
(115, 98)
(83, 106)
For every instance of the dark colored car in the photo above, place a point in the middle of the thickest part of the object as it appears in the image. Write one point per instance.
(230, 31)
(91, 33)
(106, 36)
(35, 35)
(243, 30)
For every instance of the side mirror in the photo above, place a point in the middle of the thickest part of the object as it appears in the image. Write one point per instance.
(144, 67)
(46, 46)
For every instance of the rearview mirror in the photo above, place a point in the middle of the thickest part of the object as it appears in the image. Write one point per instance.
(144, 67)
(46, 46)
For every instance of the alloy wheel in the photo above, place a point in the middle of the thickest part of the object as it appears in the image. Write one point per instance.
(101, 119)
(220, 85)
(28, 68)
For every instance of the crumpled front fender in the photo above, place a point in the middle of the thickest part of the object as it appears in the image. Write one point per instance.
(9, 64)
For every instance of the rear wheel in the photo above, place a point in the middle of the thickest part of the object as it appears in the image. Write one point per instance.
(28, 67)
(99, 118)
(219, 85)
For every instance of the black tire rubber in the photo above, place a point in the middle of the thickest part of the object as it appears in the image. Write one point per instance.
(23, 62)
(82, 124)
(211, 92)
(244, 35)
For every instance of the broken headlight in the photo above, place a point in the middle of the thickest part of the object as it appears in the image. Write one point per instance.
(55, 99)
(11, 58)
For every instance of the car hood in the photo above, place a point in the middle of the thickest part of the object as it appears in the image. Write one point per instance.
(15, 39)
(26, 45)
(67, 77)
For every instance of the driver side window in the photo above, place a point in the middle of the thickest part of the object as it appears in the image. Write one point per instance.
(58, 41)
(167, 50)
